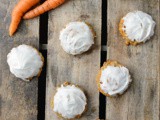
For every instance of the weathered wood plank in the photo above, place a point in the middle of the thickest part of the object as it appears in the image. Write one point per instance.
(79, 69)
(141, 101)
(18, 99)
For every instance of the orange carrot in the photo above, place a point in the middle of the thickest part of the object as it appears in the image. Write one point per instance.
(46, 6)
(17, 13)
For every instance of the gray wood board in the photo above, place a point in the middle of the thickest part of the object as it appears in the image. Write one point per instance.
(141, 101)
(18, 99)
(80, 69)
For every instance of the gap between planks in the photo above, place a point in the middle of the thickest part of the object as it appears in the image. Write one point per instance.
(43, 39)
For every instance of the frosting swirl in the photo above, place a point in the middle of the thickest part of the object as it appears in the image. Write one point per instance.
(138, 26)
(114, 80)
(69, 101)
(24, 62)
(76, 38)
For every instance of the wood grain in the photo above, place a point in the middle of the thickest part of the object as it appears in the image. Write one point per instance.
(141, 101)
(18, 99)
(80, 69)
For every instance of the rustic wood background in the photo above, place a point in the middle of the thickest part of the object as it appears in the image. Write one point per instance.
(19, 99)
(141, 101)
(80, 69)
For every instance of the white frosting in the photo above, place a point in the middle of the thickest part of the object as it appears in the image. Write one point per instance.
(139, 26)
(69, 101)
(76, 38)
(114, 80)
(24, 62)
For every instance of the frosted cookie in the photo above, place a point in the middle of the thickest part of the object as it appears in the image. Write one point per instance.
(76, 38)
(113, 79)
(69, 101)
(136, 27)
(25, 62)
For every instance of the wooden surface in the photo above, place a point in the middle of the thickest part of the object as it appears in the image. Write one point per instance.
(141, 101)
(80, 69)
(18, 99)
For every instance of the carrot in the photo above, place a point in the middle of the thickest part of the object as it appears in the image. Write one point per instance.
(17, 13)
(46, 6)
